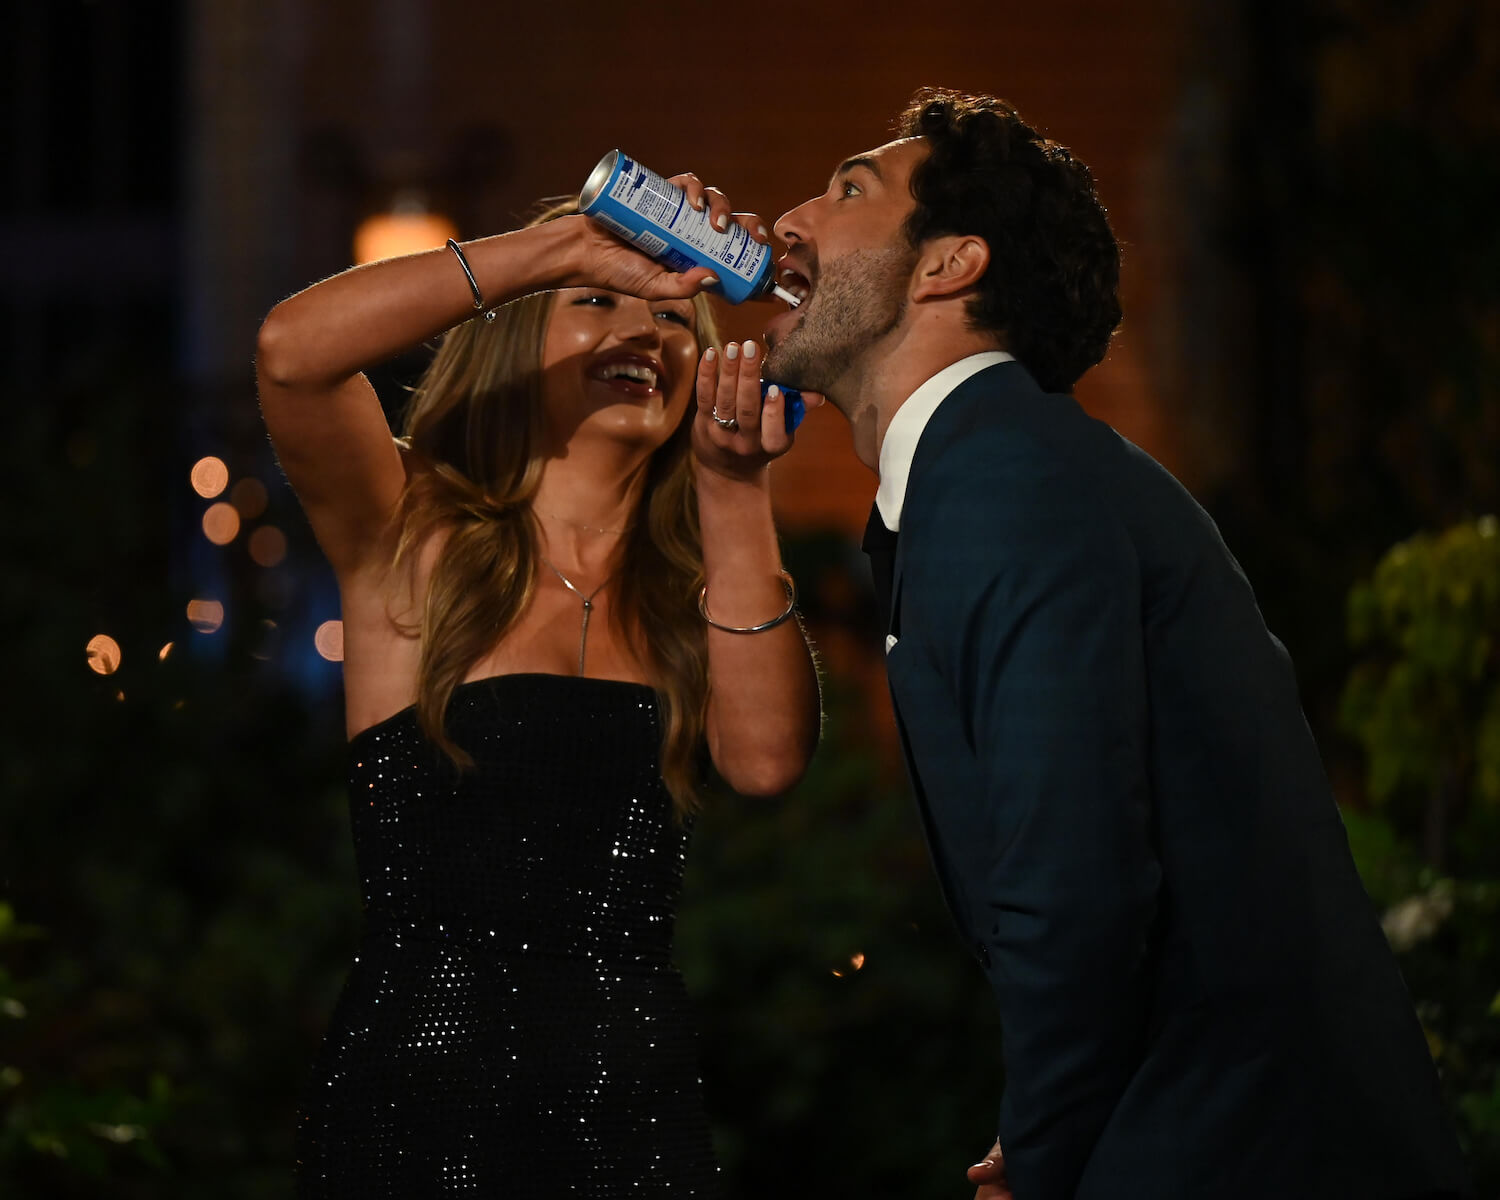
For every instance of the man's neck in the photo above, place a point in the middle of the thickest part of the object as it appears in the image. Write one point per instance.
(884, 378)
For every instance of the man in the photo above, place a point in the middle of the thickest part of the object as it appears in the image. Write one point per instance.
(1122, 798)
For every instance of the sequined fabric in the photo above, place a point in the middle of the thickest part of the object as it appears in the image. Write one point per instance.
(513, 1025)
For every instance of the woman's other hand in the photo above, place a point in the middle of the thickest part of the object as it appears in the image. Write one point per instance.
(735, 434)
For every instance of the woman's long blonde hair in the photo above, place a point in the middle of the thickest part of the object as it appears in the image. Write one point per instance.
(475, 428)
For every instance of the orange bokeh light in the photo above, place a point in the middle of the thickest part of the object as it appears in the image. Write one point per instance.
(209, 477)
(205, 615)
(249, 498)
(163, 652)
(407, 228)
(221, 523)
(104, 654)
(329, 640)
(267, 546)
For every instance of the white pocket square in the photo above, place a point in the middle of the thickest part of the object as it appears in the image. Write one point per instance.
(890, 642)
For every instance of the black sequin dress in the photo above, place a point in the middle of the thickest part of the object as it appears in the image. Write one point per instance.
(513, 1025)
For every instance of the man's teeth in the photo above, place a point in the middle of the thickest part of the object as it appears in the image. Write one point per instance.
(796, 286)
(628, 371)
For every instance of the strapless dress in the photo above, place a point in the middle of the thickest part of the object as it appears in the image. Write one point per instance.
(513, 1024)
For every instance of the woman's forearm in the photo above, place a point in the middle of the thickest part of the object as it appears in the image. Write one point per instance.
(330, 331)
(763, 709)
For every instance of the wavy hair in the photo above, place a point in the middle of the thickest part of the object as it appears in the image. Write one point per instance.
(1052, 288)
(475, 428)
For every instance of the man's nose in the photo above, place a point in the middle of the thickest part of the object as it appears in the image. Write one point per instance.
(791, 226)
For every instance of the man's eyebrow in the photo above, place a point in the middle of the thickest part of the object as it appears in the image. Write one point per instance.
(863, 160)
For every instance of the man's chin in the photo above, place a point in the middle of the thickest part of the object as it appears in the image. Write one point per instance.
(784, 366)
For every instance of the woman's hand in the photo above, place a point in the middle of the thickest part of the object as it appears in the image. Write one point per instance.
(719, 208)
(747, 434)
(601, 259)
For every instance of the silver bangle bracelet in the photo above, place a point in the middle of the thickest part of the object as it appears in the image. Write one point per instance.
(791, 604)
(463, 261)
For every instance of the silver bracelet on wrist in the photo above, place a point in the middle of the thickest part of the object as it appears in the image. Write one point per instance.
(463, 261)
(791, 604)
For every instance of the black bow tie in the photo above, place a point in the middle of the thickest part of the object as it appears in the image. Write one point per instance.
(880, 545)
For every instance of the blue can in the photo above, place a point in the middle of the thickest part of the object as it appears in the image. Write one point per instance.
(653, 215)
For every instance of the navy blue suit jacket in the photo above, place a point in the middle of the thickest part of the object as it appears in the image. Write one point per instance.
(1133, 830)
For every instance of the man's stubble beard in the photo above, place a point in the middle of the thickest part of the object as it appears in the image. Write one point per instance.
(860, 297)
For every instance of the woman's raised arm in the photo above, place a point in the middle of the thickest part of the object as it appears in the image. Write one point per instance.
(321, 412)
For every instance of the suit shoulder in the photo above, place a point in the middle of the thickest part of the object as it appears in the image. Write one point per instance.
(1007, 463)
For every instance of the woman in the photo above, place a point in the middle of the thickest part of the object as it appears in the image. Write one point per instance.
(538, 646)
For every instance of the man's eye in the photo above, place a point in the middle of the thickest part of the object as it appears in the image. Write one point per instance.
(849, 188)
(605, 301)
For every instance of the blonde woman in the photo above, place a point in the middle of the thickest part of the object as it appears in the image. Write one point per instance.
(549, 587)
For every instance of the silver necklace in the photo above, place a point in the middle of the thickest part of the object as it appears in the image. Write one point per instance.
(588, 606)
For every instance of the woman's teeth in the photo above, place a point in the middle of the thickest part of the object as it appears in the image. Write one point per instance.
(627, 371)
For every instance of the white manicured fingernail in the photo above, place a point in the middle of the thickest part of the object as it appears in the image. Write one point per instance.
(764, 233)
(773, 393)
(750, 350)
(710, 354)
(721, 222)
(731, 351)
(709, 281)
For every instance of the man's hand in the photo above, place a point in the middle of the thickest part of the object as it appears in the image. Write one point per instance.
(989, 1174)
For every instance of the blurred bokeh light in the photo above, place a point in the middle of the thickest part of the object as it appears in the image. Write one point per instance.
(205, 615)
(221, 523)
(329, 640)
(267, 546)
(408, 227)
(249, 498)
(209, 476)
(104, 654)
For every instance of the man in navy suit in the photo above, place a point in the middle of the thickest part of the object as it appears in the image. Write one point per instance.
(1125, 807)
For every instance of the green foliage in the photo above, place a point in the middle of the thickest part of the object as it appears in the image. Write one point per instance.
(82, 1128)
(1424, 704)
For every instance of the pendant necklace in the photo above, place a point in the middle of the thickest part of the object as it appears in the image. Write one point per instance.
(588, 606)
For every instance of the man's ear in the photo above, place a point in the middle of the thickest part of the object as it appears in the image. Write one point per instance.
(950, 265)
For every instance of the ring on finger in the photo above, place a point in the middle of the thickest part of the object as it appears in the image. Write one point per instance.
(728, 423)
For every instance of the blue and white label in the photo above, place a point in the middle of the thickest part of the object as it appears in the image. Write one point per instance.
(653, 214)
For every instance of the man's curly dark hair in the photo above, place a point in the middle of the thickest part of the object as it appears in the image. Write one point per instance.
(1052, 287)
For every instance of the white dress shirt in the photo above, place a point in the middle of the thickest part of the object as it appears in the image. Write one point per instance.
(905, 430)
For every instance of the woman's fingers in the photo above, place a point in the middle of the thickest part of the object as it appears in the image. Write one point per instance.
(773, 435)
(720, 211)
(729, 389)
(726, 400)
(708, 381)
(692, 186)
(747, 391)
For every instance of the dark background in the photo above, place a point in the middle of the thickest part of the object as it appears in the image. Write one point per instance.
(1306, 191)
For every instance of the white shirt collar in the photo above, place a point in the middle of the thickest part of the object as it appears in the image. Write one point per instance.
(906, 427)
